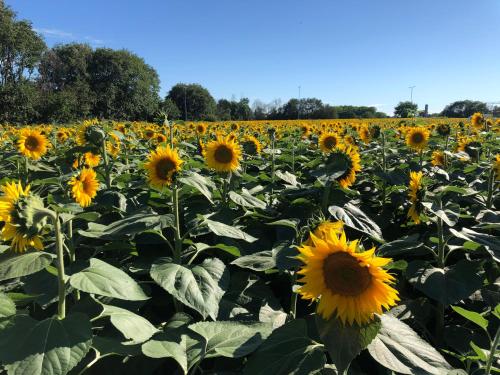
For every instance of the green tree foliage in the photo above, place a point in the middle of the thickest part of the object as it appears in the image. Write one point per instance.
(124, 86)
(313, 108)
(406, 109)
(20, 52)
(64, 82)
(194, 101)
(234, 110)
(464, 108)
(170, 109)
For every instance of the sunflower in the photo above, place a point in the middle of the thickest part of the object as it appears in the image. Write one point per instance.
(160, 138)
(32, 143)
(201, 128)
(162, 164)
(92, 160)
(62, 135)
(417, 138)
(443, 130)
(16, 211)
(328, 142)
(365, 135)
(349, 139)
(149, 133)
(84, 186)
(325, 227)
(477, 120)
(251, 145)
(349, 283)
(350, 157)
(306, 131)
(223, 154)
(415, 194)
(113, 146)
(438, 158)
(471, 146)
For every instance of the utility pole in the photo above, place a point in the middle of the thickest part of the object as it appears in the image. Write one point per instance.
(185, 105)
(411, 93)
(298, 107)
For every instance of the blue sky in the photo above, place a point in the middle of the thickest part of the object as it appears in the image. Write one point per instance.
(359, 52)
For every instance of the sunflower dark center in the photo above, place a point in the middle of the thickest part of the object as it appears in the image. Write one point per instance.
(87, 186)
(417, 138)
(223, 154)
(250, 147)
(31, 143)
(330, 142)
(344, 275)
(164, 167)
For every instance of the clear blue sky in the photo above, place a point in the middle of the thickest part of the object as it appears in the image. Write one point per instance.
(360, 52)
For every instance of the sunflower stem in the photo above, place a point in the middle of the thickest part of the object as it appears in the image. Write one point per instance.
(421, 158)
(225, 188)
(491, 185)
(61, 307)
(72, 253)
(493, 350)
(106, 164)
(445, 150)
(178, 239)
(440, 308)
(26, 170)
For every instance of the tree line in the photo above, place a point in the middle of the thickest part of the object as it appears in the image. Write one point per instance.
(69, 82)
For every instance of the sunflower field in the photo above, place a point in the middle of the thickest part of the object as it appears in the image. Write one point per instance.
(258, 247)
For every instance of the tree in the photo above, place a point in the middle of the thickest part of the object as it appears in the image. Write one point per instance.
(224, 110)
(170, 109)
(64, 82)
(406, 109)
(195, 100)
(464, 108)
(20, 52)
(123, 85)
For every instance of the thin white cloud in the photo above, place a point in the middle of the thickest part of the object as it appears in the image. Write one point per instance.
(54, 33)
(67, 36)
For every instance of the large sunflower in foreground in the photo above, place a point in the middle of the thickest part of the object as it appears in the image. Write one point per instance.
(349, 283)
(32, 143)
(328, 142)
(349, 156)
(20, 229)
(223, 154)
(415, 194)
(84, 187)
(162, 164)
(417, 138)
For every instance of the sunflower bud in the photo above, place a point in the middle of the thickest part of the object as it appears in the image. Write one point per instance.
(95, 135)
(29, 215)
(443, 130)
